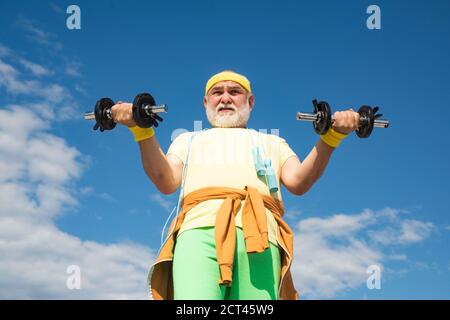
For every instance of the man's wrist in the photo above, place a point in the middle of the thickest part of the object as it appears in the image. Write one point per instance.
(333, 138)
(141, 134)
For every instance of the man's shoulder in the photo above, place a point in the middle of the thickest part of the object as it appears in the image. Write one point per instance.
(181, 135)
(273, 137)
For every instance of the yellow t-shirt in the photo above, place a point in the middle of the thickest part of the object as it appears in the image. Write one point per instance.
(223, 157)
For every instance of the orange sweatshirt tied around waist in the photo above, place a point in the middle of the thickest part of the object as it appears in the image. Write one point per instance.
(254, 226)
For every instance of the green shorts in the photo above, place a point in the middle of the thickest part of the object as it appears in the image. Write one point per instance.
(196, 271)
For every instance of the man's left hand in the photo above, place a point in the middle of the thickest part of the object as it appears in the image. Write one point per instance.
(345, 121)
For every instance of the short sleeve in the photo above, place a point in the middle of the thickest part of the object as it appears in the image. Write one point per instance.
(285, 151)
(179, 145)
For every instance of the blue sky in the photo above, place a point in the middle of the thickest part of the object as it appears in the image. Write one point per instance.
(381, 201)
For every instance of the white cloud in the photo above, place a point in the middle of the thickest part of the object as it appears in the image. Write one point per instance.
(332, 254)
(13, 136)
(323, 266)
(37, 34)
(405, 232)
(80, 89)
(162, 201)
(38, 175)
(86, 190)
(337, 225)
(415, 231)
(4, 51)
(35, 68)
(10, 80)
(90, 191)
(292, 213)
(37, 171)
(34, 260)
(57, 8)
(56, 101)
(73, 68)
(397, 257)
(51, 160)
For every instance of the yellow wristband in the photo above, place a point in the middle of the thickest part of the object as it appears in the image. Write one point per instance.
(142, 133)
(333, 138)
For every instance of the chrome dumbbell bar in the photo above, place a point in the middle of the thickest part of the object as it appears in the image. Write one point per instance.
(148, 109)
(316, 117)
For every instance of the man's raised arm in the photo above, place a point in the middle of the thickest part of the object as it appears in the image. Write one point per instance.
(163, 170)
(298, 177)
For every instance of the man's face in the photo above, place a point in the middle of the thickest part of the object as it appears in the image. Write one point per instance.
(228, 105)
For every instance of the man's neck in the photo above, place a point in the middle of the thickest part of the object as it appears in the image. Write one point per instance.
(245, 127)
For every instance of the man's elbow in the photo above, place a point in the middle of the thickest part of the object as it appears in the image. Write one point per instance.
(299, 192)
(301, 189)
(168, 186)
(167, 189)
(163, 183)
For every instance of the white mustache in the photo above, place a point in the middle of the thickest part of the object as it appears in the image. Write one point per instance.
(223, 106)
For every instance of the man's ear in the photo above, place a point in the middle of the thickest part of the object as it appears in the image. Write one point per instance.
(205, 101)
(251, 101)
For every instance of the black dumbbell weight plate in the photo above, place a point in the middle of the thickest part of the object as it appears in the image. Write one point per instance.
(367, 118)
(102, 120)
(140, 117)
(323, 123)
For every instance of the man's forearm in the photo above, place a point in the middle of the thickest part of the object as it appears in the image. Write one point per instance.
(156, 165)
(315, 163)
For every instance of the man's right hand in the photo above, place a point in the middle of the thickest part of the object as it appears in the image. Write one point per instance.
(123, 113)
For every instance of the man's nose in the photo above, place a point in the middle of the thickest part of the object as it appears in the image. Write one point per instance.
(226, 98)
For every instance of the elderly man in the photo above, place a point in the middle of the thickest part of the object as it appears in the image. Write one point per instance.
(229, 240)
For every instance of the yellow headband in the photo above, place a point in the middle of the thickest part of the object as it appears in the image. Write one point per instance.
(228, 75)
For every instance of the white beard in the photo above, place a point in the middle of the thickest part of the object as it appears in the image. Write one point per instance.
(236, 119)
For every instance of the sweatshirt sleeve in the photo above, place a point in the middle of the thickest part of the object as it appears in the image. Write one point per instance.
(285, 151)
(179, 145)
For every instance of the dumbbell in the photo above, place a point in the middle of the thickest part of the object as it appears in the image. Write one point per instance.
(322, 119)
(145, 112)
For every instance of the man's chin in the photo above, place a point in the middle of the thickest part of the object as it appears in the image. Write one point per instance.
(227, 123)
(223, 125)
